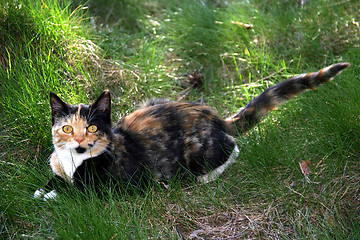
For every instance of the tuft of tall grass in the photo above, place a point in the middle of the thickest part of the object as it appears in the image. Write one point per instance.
(35, 60)
(317, 31)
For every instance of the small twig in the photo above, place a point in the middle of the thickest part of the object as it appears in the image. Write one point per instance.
(345, 192)
(339, 3)
(178, 231)
(324, 206)
(295, 191)
(195, 233)
(183, 93)
(113, 236)
(265, 78)
(7, 163)
(237, 235)
(318, 164)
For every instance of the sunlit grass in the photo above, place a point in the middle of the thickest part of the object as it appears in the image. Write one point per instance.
(149, 50)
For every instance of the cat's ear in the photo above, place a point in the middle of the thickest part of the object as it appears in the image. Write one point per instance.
(58, 106)
(103, 103)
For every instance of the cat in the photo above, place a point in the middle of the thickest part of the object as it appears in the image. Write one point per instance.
(161, 140)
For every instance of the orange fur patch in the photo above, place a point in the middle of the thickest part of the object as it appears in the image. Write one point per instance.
(139, 122)
(56, 167)
(309, 81)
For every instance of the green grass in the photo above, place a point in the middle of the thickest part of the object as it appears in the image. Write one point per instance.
(138, 51)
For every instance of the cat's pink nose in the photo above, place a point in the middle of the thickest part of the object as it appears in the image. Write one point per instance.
(79, 139)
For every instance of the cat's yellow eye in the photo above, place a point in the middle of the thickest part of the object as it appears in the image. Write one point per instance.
(92, 128)
(67, 129)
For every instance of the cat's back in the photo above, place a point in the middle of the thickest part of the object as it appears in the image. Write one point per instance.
(162, 115)
(164, 135)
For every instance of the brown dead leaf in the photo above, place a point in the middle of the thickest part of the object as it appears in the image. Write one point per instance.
(305, 170)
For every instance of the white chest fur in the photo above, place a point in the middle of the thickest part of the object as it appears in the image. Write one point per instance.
(64, 162)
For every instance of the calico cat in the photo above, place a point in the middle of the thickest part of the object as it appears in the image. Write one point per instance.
(161, 140)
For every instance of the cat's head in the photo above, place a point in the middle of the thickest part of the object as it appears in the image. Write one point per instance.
(83, 130)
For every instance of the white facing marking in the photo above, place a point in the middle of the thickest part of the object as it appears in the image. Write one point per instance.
(211, 176)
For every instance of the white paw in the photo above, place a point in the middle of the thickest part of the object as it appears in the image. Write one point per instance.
(39, 193)
(204, 178)
(50, 195)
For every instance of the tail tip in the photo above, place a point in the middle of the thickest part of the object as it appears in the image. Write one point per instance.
(338, 67)
(335, 69)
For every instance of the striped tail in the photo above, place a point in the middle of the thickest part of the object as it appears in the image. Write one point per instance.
(276, 95)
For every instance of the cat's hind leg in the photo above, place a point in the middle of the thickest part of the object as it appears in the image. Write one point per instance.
(214, 174)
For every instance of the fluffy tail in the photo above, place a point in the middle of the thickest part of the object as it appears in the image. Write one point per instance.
(276, 95)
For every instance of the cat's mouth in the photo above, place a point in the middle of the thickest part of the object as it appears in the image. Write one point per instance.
(80, 149)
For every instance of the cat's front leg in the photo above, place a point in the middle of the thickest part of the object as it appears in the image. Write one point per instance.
(51, 189)
(41, 193)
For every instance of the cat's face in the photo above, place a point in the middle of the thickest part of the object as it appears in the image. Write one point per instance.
(81, 130)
